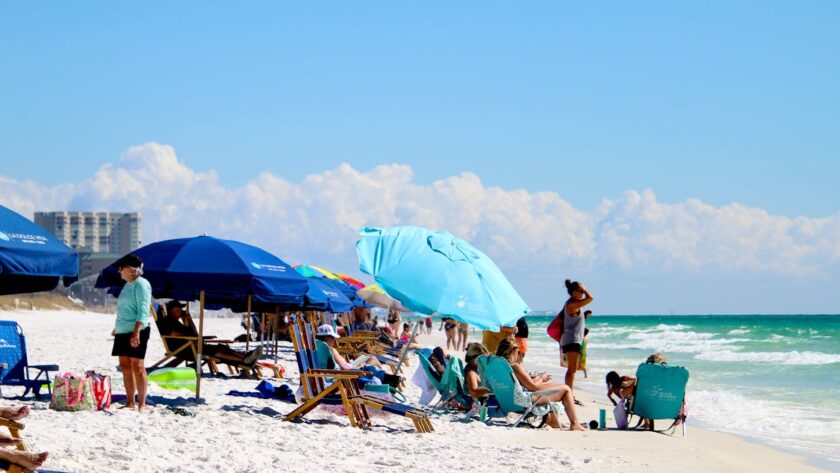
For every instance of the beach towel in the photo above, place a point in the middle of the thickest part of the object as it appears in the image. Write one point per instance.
(428, 390)
(72, 393)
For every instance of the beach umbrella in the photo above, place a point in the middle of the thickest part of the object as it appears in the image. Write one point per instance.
(324, 295)
(31, 259)
(225, 273)
(335, 280)
(355, 283)
(437, 272)
(373, 294)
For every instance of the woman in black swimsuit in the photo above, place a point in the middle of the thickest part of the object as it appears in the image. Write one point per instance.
(448, 325)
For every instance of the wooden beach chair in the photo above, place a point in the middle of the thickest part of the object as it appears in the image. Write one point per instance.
(14, 430)
(184, 349)
(340, 386)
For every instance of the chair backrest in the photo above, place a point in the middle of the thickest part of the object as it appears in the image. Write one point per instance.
(497, 375)
(306, 354)
(12, 351)
(429, 369)
(324, 355)
(660, 391)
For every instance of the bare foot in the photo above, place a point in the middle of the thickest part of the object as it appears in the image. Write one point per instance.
(28, 460)
(6, 440)
(14, 413)
(578, 427)
(128, 406)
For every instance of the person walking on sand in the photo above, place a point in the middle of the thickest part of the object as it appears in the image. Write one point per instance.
(573, 327)
(131, 329)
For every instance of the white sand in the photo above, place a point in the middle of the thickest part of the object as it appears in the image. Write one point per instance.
(248, 434)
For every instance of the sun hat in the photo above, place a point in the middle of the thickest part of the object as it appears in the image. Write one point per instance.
(130, 261)
(327, 330)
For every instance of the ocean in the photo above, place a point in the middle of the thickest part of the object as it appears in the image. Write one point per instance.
(772, 378)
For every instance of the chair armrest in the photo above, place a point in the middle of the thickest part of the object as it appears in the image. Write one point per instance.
(44, 367)
(11, 424)
(180, 337)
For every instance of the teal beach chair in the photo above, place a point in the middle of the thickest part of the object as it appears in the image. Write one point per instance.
(497, 375)
(451, 384)
(660, 394)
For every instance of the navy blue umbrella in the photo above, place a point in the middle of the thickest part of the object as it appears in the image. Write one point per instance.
(31, 259)
(220, 272)
(226, 270)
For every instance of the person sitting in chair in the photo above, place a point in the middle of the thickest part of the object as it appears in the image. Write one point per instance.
(177, 322)
(327, 334)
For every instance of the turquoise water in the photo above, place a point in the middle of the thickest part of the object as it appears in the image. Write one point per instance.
(772, 378)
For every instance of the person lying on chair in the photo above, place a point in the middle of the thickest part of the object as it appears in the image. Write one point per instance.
(177, 323)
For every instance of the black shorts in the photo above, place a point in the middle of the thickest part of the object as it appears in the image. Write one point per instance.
(571, 348)
(122, 344)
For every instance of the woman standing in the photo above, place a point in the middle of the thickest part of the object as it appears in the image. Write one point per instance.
(573, 327)
(394, 321)
(131, 330)
(448, 325)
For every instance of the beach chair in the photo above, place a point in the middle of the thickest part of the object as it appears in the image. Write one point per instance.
(14, 430)
(184, 349)
(497, 375)
(15, 369)
(450, 387)
(330, 386)
(660, 394)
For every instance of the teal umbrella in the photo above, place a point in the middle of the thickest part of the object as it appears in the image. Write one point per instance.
(437, 272)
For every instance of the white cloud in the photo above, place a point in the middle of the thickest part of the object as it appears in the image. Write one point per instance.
(317, 220)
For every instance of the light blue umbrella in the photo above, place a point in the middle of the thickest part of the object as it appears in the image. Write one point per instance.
(437, 272)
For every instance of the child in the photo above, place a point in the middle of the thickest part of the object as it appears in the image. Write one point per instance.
(622, 386)
(406, 333)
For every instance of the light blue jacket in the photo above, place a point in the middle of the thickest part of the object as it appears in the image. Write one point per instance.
(133, 305)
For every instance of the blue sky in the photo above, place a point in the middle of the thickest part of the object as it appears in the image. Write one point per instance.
(720, 101)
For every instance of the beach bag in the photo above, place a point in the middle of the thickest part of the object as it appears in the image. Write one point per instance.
(555, 328)
(620, 414)
(101, 386)
(72, 393)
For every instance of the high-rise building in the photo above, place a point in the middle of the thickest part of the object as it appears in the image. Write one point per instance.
(96, 232)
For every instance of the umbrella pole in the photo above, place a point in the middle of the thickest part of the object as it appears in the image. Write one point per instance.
(200, 344)
(262, 329)
(248, 326)
(276, 331)
(410, 340)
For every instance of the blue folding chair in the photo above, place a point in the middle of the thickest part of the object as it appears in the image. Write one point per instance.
(15, 367)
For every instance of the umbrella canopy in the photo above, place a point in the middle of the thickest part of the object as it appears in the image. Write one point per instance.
(437, 272)
(226, 270)
(373, 294)
(31, 259)
(354, 283)
(348, 298)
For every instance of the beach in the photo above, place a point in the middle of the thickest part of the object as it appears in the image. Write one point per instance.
(244, 434)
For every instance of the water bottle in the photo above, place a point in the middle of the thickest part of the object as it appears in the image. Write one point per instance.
(602, 416)
(482, 414)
